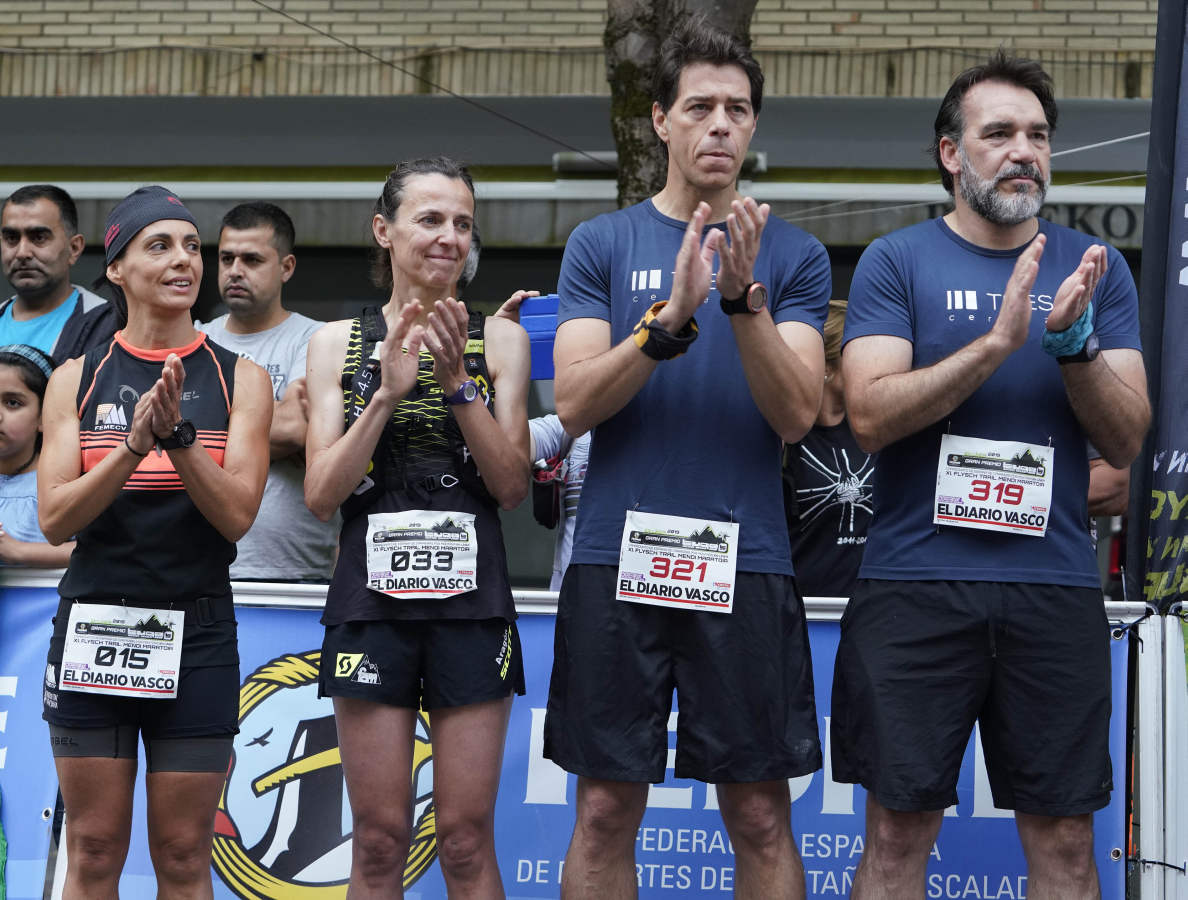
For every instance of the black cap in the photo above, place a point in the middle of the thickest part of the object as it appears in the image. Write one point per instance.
(140, 208)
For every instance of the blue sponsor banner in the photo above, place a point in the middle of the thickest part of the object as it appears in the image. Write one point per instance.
(28, 782)
(283, 825)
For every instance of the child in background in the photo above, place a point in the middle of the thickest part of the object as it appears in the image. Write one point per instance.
(24, 372)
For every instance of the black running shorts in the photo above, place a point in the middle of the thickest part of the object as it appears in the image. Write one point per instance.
(207, 702)
(920, 661)
(744, 684)
(425, 664)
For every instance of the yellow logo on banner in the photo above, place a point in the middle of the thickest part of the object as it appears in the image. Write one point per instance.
(282, 828)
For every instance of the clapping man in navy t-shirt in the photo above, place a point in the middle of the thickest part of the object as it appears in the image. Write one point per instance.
(689, 340)
(982, 350)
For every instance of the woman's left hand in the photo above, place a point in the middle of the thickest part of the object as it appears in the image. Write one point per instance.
(166, 397)
(445, 339)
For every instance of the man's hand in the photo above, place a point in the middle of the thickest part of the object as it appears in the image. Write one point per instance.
(290, 419)
(1077, 289)
(693, 270)
(295, 402)
(511, 306)
(1013, 321)
(736, 262)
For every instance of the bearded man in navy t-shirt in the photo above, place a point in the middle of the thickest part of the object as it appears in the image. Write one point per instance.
(690, 343)
(982, 350)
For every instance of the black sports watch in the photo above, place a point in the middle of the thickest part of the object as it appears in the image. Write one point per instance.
(1087, 353)
(184, 435)
(753, 299)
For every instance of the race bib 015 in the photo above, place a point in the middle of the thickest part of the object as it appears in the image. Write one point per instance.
(121, 650)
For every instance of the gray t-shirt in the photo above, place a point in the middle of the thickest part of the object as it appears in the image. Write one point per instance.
(286, 542)
(547, 436)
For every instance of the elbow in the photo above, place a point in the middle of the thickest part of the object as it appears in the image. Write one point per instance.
(513, 494)
(56, 537)
(55, 531)
(1124, 454)
(1127, 447)
(316, 501)
(322, 509)
(236, 526)
(796, 427)
(866, 432)
(572, 408)
(570, 416)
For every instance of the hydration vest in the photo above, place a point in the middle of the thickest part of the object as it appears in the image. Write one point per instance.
(421, 447)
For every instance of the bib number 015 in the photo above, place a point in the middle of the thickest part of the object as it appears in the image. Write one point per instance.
(128, 658)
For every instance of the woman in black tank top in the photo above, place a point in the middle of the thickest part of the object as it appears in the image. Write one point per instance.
(418, 430)
(155, 456)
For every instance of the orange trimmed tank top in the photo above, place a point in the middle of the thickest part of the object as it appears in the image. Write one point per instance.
(152, 544)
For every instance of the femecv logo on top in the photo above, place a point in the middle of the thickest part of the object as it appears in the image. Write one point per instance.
(110, 416)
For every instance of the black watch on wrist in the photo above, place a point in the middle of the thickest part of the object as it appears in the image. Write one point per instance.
(184, 435)
(1087, 353)
(753, 299)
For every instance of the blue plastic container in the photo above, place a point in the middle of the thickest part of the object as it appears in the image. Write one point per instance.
(538, 315)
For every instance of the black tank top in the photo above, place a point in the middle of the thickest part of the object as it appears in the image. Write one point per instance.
(420, 443)
(152, 545)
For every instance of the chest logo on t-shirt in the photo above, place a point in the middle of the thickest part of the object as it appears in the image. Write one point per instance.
(645, 280)
(961, 299)
(112, 416)
(972, 306)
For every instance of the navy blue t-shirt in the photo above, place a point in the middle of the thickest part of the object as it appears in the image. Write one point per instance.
(929, 286)
(692, 442)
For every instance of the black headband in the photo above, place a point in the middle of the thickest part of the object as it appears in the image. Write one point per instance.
(139, 209)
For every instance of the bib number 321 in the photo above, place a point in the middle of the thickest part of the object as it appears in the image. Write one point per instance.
(677, 562)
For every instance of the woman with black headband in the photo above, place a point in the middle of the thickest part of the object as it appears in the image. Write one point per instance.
(419, 614)
(155, 456)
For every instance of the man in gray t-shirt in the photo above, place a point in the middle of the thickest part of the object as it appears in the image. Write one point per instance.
(286, 543)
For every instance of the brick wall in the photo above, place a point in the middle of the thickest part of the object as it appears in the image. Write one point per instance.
(1095, 48)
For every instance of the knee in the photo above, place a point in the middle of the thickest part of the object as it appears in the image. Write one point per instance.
(756, 819)
(380, 845)
(896, 838)
(95, 854)
(609, 816)
(181, 859)
(1064, 844)
(463, 844)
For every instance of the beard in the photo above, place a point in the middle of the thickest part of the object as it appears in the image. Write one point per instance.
(984, 197)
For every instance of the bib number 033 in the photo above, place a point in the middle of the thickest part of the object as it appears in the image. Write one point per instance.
(422, 554)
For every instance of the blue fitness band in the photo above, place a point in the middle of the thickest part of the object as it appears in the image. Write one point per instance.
(1070, 341)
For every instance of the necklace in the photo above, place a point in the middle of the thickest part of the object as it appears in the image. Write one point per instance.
(26, 465)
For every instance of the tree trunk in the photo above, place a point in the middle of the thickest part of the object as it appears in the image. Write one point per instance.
(634, 31)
